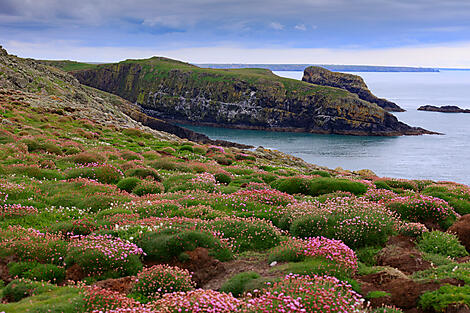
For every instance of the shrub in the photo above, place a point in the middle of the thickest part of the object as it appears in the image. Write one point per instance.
(222, 160)
(296, 293)
(18, 268)
(445, 296)
(6, 137)
(380, 184)
(104, 255)
(247, 234)
(198, 300)
(442, 243)
(145, 187)
(236, 284)
(422, 209)
(223, 178)
(153, 282)
(104, 173)
(316, 247)
(318, 186)
(142, 172)
(413, 229)
(32, 245)
(170, 164)
(169, 244)
(320, 173)
(355, 221)
(130, 155)
(128, 183)
(46, 272)
(186, 148)
(387, 309)
(458, 196)
(21, 288)
(87, 158)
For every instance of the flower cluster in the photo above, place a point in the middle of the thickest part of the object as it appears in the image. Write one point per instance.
(198, 301)
(296, 293)
(15, 210)
(158, 280)
(112, 247)
(413, 229)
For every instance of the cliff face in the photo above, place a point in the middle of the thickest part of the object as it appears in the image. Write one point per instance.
(242, 98)
(352, 83)
(46, 86)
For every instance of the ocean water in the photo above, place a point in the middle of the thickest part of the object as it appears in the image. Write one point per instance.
(441, 158)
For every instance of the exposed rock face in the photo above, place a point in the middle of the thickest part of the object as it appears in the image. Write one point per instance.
(462, 229)
(47, 86)
(443, 109)
(352, 83)
(247, 99)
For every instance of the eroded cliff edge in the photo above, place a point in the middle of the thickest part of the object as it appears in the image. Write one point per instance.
(241, 98)
(352, 83)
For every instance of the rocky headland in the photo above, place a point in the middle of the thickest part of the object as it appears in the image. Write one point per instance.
(241, 98)
(352, 83)
(443, 109)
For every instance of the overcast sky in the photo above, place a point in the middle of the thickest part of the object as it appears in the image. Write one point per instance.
(432, 33)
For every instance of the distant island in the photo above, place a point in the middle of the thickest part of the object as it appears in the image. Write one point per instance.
(443, 109)
(331, 67)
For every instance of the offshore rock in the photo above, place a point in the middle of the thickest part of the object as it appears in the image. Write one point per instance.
(245, 98)
(443, 109)
(352, 83)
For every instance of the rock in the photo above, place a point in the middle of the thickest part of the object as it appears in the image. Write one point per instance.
(443, 109)
(461, 228)
(121, 285)
(352, 83)
(173, 91)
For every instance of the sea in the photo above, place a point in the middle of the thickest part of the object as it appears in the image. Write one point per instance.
(436, 157)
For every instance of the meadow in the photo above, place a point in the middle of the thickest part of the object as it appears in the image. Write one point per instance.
(102, 219)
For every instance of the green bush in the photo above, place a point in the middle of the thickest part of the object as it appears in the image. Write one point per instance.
(169, 244)
(317, 186)
(387, 309)
(128, 183)
(86, 158)
(445, 296)
(320, 173)
(18, 268)
(22, 288)
(316, 266)
(186, 148)
(170, 164)
(380, 184)
(105, 174)
(377, 294)
(249, 234)
(457, 196)
(308, 226)
(442, 243)
(146, 187)
(46, 272)
(142, 172)
(222, 160)
(223, 178)
(286, 253)
(237, 284)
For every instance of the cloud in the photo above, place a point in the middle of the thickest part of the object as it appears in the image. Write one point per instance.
(301, 27)
(276, 26)
(455, 55)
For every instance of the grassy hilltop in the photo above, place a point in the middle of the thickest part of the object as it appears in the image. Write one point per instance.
(239, 98)
(102, 214)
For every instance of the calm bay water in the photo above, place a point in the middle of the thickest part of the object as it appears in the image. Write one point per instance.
(433, 157)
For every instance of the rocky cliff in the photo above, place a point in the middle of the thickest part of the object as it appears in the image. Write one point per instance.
(46, 86)
(352, 83)
(241, 98)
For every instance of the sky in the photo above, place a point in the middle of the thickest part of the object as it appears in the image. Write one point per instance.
(430, 33)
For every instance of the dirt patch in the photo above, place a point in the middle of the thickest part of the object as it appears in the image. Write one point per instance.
(75, 273)
(457, 308)
(4, 272)
(462, 229)
(121, 285)
(406, 259)
(258, 264)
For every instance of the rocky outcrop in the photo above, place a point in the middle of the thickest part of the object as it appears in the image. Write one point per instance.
(244, 98)
(47, 86)
(461, 228)
(443, 109)
(352, 83)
